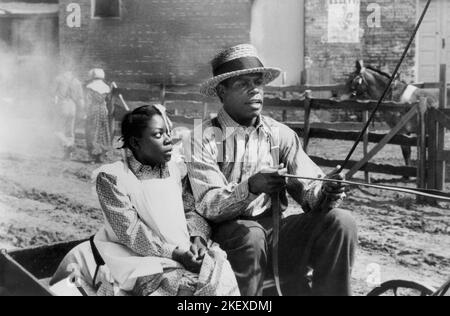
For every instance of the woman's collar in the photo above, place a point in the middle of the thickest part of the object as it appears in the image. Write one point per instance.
(143, 171)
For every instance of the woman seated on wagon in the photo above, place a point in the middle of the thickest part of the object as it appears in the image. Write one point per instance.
(147, 245)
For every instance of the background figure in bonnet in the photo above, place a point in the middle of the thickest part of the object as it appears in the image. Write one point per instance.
(69, 101)
(149, 244)
(98, 130)
(233, 175)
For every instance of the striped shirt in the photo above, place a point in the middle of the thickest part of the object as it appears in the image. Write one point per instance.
(221, 189)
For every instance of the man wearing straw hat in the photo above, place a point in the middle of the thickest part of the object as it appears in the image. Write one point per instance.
(238, 163)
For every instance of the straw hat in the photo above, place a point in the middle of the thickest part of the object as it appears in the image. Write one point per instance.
(237, 61)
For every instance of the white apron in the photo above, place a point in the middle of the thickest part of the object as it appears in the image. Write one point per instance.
(160, 206)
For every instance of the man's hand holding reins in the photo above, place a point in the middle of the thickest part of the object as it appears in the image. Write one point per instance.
(333, 193)
(269, 181)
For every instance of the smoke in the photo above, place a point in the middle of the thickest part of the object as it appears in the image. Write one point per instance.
(27, 71)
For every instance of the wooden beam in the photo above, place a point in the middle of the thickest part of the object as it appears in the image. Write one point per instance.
(427, 85)
(298, 89)
(366, 143)
(405, 119)
(153, 93)
(327, 104)
(303, 88)
(162, 94)
(307, 129)
(442, 118)
(421, 148)
(321, 133)
(440, 164)
(370, 167)
(205, 110)
(194, 89)
(281, 103)
(432, 149)
(188, 96)
(444, 111)
(133, 95)
(179, 119)
(337, 126)
(324, 88)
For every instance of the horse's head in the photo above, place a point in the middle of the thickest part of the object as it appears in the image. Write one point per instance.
(366, 83)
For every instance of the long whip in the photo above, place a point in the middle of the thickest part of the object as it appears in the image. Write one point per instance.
(438, 195)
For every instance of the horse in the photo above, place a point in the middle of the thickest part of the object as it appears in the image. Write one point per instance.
(368, 83)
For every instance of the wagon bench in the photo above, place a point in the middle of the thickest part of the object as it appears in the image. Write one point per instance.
(27, 272)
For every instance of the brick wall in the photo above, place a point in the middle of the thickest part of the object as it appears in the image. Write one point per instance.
(379, 47)
(156, 40)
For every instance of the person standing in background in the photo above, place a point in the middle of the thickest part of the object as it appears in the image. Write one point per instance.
(69, 100)
(98, 130)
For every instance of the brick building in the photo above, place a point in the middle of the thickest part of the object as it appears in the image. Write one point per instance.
(381, 42)
(153, 40)
(172, 40)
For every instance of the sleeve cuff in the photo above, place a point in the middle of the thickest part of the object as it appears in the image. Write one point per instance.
(168, 250)
(242, 191)
(315, 196)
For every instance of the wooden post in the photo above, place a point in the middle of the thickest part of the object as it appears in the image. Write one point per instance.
(162, 94)
(366, 143)
(432, 149)
(284, 116)
(283, 82)
(307, 127)
(205, 110)
(440, 165)
(421, 148)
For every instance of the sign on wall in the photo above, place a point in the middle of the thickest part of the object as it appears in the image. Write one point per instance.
(343, 21)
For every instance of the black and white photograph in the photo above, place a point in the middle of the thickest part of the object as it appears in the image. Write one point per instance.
(239, 149)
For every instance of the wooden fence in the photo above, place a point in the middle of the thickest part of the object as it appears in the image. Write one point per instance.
(430, 169)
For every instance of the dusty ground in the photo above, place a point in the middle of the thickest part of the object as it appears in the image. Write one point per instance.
(45, 200)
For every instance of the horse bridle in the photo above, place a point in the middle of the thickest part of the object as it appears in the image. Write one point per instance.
(360, 80)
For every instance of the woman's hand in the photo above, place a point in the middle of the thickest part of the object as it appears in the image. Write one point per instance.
(199, 248)
(188, 260)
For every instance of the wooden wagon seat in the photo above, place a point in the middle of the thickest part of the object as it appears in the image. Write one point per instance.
(29, 271)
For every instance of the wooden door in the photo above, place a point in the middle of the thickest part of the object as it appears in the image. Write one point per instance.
(434, 40)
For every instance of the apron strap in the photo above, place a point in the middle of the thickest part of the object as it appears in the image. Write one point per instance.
(98, 261)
